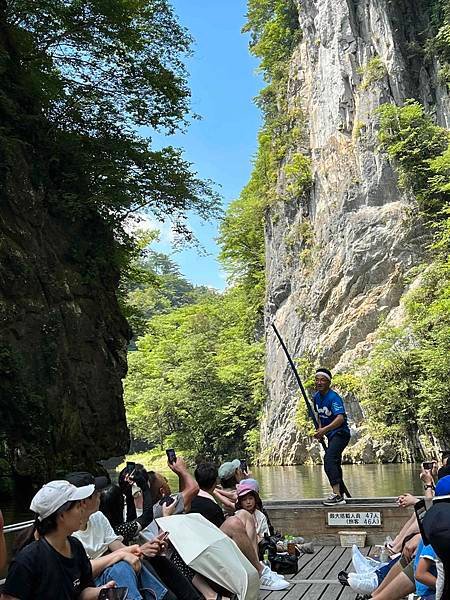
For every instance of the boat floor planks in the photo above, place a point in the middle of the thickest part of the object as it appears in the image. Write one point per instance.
(316, 578)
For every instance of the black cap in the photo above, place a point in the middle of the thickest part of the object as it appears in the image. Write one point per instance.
(81, 478)
(436, 525)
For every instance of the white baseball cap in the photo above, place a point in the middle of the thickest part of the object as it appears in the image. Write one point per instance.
(55, 494)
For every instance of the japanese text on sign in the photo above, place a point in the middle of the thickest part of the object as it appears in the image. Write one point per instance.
(366, 519)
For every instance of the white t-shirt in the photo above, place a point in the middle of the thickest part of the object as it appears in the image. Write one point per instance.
(97, 536)
(261, 524)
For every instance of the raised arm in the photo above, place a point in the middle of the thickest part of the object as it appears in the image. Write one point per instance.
(188, 486)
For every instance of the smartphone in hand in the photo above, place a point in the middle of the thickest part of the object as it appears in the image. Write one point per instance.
(171, 456)
(167, 500)
(117, 593)
(244, 467)
(428, 465)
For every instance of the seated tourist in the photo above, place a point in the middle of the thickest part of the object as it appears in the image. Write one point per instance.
(249, 500)
(240, 528)
(408, 500)
(52, 563)
(436, 525)
(425, 572)
(117, 503)
(230, 474)
(402, 578)
(112, 505)
(167, 504)
(110, 558)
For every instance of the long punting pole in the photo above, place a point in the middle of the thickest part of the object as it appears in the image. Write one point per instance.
(311, 412)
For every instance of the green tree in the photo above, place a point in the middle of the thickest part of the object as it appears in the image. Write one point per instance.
(406, 372)
(196, 378)
(156, 286)
(96, 71)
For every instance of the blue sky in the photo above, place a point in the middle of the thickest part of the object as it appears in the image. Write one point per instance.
(223, 83)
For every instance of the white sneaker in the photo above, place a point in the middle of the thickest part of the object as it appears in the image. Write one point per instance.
(267, 569)
(271, 581)
(363, 583)
(363, 564)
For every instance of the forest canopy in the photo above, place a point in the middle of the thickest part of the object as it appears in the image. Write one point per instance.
(94, 72)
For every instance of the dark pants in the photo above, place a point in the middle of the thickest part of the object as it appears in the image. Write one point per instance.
(173, 579)
(333, 457)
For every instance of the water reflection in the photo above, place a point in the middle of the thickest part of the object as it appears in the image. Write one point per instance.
(362, 480)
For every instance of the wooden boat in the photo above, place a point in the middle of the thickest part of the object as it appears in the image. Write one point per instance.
(378, 517)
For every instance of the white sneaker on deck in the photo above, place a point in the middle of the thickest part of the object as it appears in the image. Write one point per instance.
(271, 581)
(363, 583)
(363, 564)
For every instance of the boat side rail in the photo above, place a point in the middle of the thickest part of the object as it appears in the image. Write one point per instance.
(13, 527)
(17, 526)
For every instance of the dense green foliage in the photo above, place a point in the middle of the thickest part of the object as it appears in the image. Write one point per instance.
(195, 380)
(405, 387)
(418, 147)
(96, 71)
(154, 285)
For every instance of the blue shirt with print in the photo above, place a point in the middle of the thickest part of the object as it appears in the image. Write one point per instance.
(423, 590)
(328, 407)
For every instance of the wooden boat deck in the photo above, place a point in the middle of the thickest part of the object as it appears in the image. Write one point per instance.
(316, 578)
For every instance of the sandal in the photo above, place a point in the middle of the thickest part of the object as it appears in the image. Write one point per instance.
(343, 578)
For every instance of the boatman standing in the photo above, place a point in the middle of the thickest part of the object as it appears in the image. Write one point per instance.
(333, 425)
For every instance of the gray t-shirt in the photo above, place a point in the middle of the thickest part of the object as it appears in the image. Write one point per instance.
(147, 534)
(179, 507)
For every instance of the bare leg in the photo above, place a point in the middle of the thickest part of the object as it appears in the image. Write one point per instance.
(204, 588)
(235, 529)
(409, 527)
(398, 588)
(396, 569)
(249, 524)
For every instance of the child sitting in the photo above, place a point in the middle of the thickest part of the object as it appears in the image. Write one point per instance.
(248, 499)
(425, 572)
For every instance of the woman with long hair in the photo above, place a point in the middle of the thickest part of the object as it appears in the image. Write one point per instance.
(117, 503)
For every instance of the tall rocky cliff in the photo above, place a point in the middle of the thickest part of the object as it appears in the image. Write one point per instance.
(336, 257)
(62, 336)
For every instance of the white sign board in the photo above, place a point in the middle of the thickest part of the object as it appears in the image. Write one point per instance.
(355, 519)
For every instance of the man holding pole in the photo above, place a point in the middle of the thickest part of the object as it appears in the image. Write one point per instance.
(333, 425)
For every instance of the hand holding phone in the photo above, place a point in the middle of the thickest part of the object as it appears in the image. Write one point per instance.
(116, 593)
(244, 467)
(162, 537)
(171, 456)
(167, 500)
(428, 465)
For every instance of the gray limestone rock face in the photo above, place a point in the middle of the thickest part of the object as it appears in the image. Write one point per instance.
(365, 230)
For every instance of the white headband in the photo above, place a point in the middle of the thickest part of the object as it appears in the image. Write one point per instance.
(324, 374)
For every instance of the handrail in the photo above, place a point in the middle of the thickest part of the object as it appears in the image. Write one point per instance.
(17, 526)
